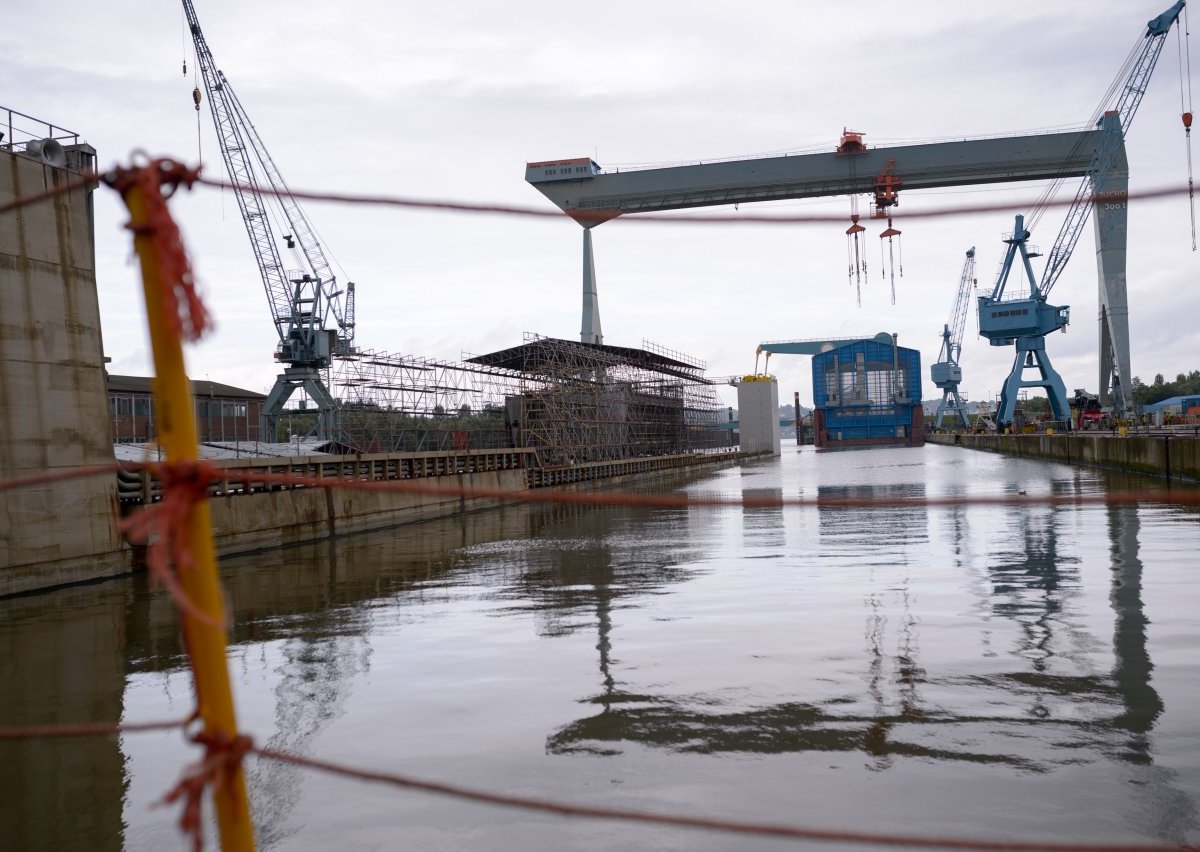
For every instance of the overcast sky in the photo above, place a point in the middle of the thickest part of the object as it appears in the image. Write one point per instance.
(450, 100)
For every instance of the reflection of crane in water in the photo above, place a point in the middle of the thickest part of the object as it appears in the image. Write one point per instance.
(321, 654)
(673, 722)
(1030, 589)
(1172, 812)
(1030, 584)
(1037, 591)
(900, 526)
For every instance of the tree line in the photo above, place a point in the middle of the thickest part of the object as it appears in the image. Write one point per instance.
(1185, 384)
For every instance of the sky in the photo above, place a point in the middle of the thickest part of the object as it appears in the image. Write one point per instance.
(449, 101)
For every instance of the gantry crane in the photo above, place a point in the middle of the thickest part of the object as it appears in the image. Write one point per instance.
(947, 373)
(1026, 319)
(313, 318)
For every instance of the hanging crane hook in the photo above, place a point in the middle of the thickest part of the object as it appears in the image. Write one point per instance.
(889, 233)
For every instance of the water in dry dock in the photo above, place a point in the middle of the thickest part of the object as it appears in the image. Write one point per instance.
(1001, 672)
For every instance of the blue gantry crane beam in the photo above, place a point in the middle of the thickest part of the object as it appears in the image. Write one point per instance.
(947, 372)
(313, 317)
(1024, 318)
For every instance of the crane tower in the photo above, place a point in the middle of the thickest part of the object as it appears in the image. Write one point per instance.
(1026, 319)
(947, 373)
(313, 317)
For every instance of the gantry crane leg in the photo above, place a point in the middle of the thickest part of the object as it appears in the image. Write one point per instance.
(1031, 355)
(288, 382)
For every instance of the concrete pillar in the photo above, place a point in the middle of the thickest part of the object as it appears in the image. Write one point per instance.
(758, 414)
(53, 398)
(589, 331)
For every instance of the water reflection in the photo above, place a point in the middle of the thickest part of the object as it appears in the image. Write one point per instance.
(877, 533)
(762, 525)
(495, 649)
(1032, 583)
(62, 793)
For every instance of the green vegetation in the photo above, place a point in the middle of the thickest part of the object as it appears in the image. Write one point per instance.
(1184, 385)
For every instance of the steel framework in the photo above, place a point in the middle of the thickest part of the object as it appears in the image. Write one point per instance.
(573, 402)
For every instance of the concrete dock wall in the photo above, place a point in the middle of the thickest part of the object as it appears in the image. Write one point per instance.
(270, 519)
(247, 516)
(1171, 456)
(53, 402)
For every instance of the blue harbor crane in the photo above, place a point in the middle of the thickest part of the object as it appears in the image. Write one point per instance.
(1020, 318)
(947, 373)
(313, 317)
(1025, 321)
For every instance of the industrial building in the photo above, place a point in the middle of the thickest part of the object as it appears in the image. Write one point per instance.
(867, 393)
(223, 412)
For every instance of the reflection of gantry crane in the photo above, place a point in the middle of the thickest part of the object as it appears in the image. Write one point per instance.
(312, 319)
(1027, 319)
(947, 373)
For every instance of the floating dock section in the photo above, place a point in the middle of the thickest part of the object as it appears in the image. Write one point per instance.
(867, 393)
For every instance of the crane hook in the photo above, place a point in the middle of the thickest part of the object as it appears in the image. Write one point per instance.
(196, 97)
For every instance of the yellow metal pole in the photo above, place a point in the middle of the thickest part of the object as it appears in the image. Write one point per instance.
(206, 639)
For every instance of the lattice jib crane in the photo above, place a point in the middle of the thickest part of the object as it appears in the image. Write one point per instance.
(947, 372)
(313, 317)
(1027, 319)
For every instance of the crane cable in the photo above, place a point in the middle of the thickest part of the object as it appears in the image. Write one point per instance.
(195, 82)
(1183, 43)
(1045, 199)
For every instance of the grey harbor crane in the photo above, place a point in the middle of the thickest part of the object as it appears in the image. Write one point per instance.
(947, 372)
(313, 317)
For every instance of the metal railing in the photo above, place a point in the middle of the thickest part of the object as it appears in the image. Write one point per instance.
(241, 476)
(19, 128)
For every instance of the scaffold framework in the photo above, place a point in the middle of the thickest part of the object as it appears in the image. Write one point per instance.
(573, 402)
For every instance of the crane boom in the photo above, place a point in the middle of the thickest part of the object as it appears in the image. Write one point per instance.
(305, 306)
(958, 316)
(1026, 320)
(947, 372)
(1105, 153)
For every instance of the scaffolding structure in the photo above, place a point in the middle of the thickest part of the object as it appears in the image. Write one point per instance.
(573, 402)
(391, 403)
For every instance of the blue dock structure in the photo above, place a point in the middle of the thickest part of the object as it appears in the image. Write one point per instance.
(867, 393)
